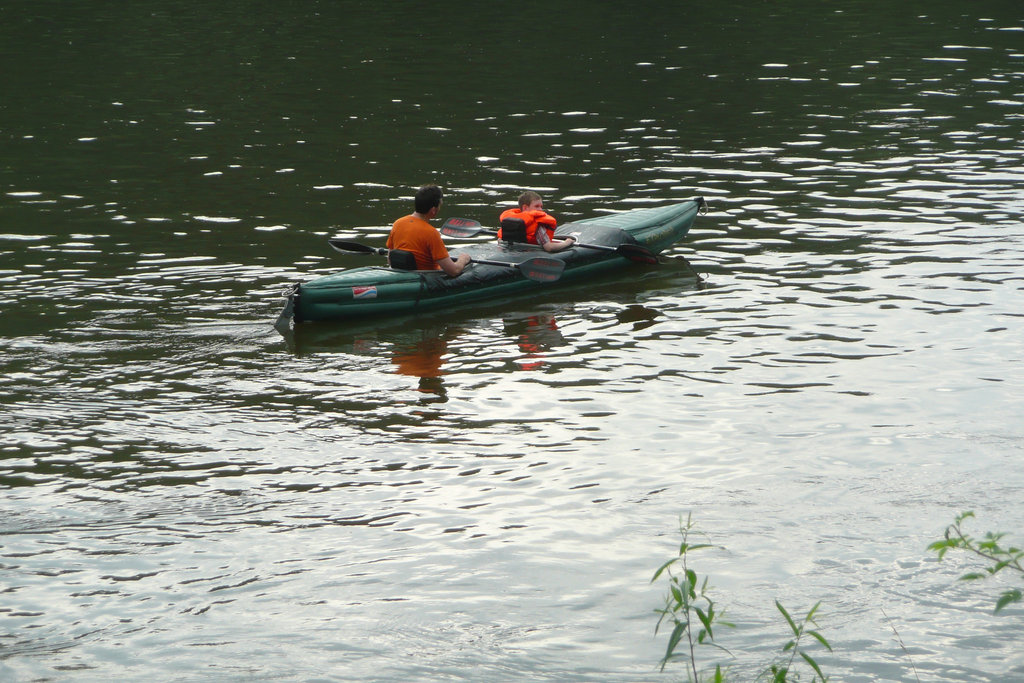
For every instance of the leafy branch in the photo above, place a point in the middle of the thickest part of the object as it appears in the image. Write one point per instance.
(688, 599)
(990, 549)
(779, 672)
(689, 607)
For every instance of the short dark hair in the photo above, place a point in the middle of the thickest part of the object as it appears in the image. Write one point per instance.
(427, 197)
(528, 197)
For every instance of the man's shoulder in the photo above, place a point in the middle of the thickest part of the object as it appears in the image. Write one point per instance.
(413, 221)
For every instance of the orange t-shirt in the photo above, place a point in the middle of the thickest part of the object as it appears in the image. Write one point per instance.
(419, 237)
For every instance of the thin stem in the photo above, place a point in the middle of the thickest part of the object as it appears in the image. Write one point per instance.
(902, 646)
(686, 599)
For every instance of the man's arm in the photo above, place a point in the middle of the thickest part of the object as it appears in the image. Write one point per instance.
(453, 267)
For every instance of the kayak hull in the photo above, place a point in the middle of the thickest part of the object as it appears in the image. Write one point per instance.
(379, 290)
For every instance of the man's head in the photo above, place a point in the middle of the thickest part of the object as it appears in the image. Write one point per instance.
(428, 197)
(531, 201)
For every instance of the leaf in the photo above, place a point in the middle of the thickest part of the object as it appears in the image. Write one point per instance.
(664, 613)
(810, 615)
(789, 619)
(1007, 598)
(677, 635)
(663, 568)
(691, 584)
(973, 576)
(705, 620)
(813, 664)
(821, 639)
(942, 547)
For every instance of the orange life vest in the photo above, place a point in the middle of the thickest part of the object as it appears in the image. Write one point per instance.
(533, 220)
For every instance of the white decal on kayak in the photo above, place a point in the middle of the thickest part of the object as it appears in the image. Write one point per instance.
(364, 292)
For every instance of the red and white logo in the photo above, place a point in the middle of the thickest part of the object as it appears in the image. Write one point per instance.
(364, 292)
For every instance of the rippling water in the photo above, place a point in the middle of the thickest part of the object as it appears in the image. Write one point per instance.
(484, 495)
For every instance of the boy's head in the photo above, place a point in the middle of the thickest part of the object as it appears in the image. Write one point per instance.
(528, 201)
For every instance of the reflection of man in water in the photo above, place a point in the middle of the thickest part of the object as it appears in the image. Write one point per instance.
(422, 359)
(534, 335)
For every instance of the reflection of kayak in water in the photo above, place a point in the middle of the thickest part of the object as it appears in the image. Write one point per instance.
(413, 351)
(534, 333)
(378, 290)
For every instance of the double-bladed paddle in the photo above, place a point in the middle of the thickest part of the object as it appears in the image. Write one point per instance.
(467, 227)
(539, 269)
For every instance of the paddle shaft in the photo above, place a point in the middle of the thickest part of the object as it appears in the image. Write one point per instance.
(539, 269)
(356, 248)
(465, 227)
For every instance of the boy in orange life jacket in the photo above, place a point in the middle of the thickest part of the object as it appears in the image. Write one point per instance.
(414, 234)
(540, 226)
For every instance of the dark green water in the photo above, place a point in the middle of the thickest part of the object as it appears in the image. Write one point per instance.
(484, 495)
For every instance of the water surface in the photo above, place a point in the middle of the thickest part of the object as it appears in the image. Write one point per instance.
(484, 494)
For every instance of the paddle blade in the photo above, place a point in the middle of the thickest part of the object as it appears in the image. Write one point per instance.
(637, 253)
(355, 247)
(542, 269)
(283, 324)
(462, 227)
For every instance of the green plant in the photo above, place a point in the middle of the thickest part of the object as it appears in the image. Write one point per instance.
(688, 603)
(689, 607)
(990, 549)
(780, 672)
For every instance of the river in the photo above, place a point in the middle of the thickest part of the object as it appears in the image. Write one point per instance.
(483, 494)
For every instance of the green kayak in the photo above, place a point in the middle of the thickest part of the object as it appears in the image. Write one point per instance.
(499, 269)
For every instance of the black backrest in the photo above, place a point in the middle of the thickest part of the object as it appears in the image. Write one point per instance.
(399, 259)
(513, 230)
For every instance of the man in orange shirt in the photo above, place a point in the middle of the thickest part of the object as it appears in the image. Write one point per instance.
(414, 234)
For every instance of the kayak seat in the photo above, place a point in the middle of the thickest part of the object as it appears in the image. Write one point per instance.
(513, 230)
(399, 259)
